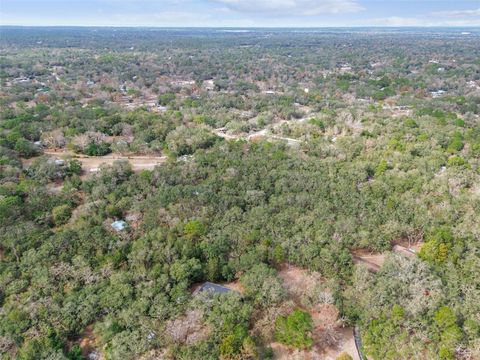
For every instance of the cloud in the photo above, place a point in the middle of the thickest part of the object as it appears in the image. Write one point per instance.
(458, 13)
(293, 7)
(397, 21)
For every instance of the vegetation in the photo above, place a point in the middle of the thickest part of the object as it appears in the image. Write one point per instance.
(295, 329)
(280, 149)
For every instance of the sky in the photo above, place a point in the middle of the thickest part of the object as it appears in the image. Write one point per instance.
(240, 13)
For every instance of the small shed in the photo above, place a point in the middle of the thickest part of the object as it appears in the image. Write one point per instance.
(119, 225)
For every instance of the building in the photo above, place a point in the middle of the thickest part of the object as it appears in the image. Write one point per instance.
(119, 225)
(213, 288)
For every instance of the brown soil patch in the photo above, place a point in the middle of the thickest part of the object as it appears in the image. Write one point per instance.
(282, 352)
(403, 251)
(346, 343)
(235, 286)
(325, 317)
(188, 329)
(373, 261)
(404, 245)
(88, 343)
(298, 282)
(416, 247)
(91, 164)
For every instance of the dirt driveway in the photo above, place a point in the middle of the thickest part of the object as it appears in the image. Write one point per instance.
(92, 164)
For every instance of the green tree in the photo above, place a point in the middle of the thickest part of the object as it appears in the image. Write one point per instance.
(262, 285)
(194, 229)
(449, 332)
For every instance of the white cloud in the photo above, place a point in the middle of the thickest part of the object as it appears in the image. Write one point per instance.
(458, 13)
(397, 21)
(294, 7)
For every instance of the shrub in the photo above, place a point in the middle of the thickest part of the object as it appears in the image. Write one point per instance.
(344, 356)
(194, 229)
(381, 168)
(437, 247)
(456, 161)
(25, 148)
(98, 149)
(74, 167)
(411, 123)
(295, 329)
(61, 214)
(456, 144)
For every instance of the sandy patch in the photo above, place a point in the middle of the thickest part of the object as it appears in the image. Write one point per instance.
(91, 164)
(88, 343)
(235, 286)
(373, 261)
(298, 282)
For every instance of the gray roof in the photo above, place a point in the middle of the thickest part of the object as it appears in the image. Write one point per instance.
(214, 288)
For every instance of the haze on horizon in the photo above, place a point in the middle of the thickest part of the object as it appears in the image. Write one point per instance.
(240, 13)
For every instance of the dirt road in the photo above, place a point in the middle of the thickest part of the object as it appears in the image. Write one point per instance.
(92, 163)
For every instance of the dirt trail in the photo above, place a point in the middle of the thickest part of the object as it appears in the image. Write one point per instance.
(92, 163)
(256, 135)
(372, 261)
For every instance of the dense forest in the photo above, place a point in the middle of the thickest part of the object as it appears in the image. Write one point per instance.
(138, 165)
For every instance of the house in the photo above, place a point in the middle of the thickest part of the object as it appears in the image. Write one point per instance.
(437, 94)
(213, 288)
(209, 85)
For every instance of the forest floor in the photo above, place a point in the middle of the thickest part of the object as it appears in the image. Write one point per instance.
(88, 344)
(330, 337)
(235, 286)
(373, 261)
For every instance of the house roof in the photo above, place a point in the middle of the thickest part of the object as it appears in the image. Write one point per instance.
(119, 225)
(214, 288)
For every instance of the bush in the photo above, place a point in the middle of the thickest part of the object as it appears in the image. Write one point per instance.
(98, 149)
(411, 123)
(456, 161)
(74, 167)
(295, 329)
(344, 356)
(437, 247)
(25, 148)
(61, 214)
(381, 168)
(166, 99)
(456, 144)
(194, 229)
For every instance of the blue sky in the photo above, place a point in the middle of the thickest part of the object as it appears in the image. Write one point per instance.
(241, 13)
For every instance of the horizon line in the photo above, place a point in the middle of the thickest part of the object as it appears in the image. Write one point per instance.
(243, 27)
